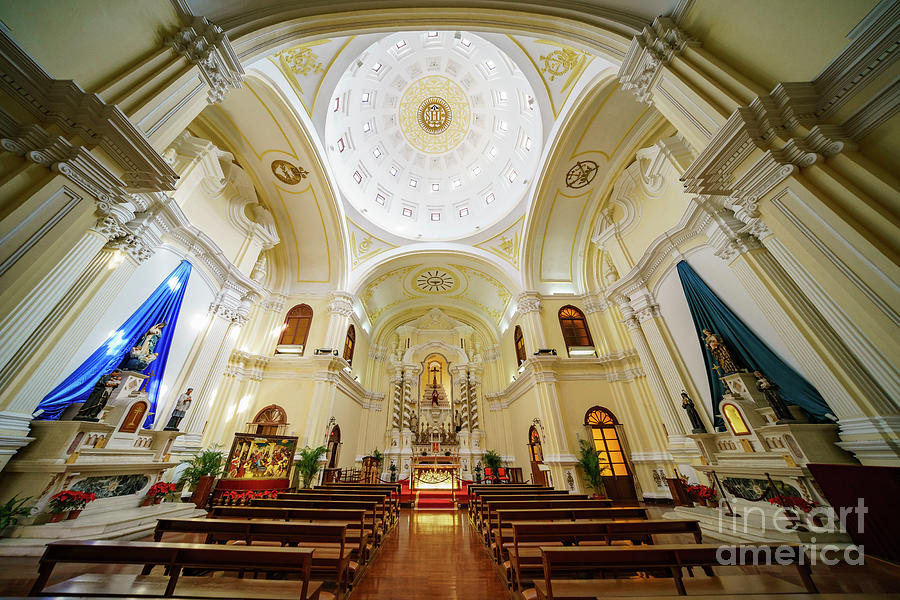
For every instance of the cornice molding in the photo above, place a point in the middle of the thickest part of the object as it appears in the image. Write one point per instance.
(86, 117)
(649, 52)
(204, 44)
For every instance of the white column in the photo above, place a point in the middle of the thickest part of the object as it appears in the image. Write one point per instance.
(17, 324)
(473, 388)
(528, 307)
(397, 399)
(340, 307)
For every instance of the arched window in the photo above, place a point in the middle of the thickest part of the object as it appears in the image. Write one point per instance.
(350, 344)
(295, 330)
(606, 441)
(574, 328)
(520, 346)
(269, 421)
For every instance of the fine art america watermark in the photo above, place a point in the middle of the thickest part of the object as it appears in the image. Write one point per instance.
(820, 520)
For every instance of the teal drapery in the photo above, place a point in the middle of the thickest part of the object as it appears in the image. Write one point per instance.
(709, 312)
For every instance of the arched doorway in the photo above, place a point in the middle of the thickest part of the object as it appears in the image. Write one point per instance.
(606, 436)
(269, 421)
(536, 455)
(334, 444)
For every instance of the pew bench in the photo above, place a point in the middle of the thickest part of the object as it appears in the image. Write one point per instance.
(177, 557)
(331, 562)
(483, 503)
(672, 558)
(492, 506)
(525, 559)
(375, 515)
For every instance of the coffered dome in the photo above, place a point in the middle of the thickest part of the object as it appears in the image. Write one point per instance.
(433, 135)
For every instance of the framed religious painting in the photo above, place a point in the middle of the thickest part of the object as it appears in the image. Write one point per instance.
(260, 457)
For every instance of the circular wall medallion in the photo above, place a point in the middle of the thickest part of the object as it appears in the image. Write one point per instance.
(435, 281)
(434, 115)
(287, 172)
(581, 174)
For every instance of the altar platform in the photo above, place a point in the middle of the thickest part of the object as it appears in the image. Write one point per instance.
(435, 473)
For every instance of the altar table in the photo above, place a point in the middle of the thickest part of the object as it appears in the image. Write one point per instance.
(435, 474)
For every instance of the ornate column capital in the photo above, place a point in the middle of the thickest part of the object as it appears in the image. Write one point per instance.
(595, 302)
(528, 302)
(648, 53)
(204, 44)
(340, 303)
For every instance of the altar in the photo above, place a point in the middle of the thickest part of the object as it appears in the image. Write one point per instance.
(435, 473)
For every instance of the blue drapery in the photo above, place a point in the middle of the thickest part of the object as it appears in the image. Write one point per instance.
(747, 350)
(163, 304)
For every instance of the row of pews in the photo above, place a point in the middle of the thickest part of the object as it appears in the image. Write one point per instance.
(552, 545)
(310, 545)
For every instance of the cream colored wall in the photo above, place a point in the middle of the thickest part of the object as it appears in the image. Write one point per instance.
(89, 41)
(771, 41)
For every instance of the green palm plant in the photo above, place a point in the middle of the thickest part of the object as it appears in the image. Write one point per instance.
(377, 455)
(205, 462)
(309, 464)
(14, 509)
(589, 461)
(492, 460)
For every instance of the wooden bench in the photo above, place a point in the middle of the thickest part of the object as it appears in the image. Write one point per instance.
(476, 497)
(355, 520)
(525, 555)
(503, 531)
(332, 558)
(489, 514)
(669, 557)
(177, 557)
(391, 502)
(374, 511)
(480, 502)
(393, 489)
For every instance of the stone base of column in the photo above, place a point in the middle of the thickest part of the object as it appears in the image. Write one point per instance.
(872, 440)
(562, 473)
(14, 429)
(186, 446)
(685, 454)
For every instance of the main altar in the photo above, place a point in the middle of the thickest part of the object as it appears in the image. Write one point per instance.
(435, 473)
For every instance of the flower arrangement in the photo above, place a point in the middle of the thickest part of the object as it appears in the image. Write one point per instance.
(703, 493)
(70, 500)
(794, 502)
(236, 497)
(161, 489)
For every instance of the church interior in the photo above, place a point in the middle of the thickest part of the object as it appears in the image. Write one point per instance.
(572, 299)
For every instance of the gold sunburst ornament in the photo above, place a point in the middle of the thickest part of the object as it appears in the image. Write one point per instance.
(435, 281)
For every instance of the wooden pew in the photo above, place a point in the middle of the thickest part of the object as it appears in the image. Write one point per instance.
(394, 489)
(357, 529)
(477, 497)
(525, 554)
(482, 499)
(670, 557)
(332, 558)
(391, 500)
(377, 517)
(503, 531)
(489, 514)
(177, 557)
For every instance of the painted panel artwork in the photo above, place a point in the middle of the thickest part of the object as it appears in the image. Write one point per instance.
(111, 486)
(261, 457)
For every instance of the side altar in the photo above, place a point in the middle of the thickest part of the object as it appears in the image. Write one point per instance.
(435, 473)
(107, 453)
(763, 454)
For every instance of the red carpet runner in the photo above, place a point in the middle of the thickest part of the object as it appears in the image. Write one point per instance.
(435, 499)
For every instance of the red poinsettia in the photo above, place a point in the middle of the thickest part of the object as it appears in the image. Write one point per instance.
(794, 502)
(161, 489)
(70, 500)
(702, 492)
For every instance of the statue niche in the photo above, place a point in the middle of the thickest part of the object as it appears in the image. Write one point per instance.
(435, 420)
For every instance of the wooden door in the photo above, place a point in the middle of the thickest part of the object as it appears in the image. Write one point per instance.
(617, 478)
(537, 457)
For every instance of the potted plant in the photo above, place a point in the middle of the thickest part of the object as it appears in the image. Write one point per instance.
(378, 456)
(393, 470)
(68, 501)
(201, 473)
(478, 473)
(309, 464)
(492, 461)
(158, 491)
(589, 461)
(10, 513)
(791, 504)
(704, 495)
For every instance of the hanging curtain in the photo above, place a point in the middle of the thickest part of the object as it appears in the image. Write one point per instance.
(163, 305)
(709, 312)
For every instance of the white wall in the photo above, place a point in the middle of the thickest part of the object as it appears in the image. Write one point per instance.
(674, 308)
(145, 279)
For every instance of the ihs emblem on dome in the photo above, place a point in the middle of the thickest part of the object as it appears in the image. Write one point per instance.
(434, 115)
(435, 281)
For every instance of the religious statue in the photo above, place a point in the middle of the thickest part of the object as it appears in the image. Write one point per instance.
(142, 354)
(414, 423)
(96, 401)
(779, 407)
(696, 422)
(719, 351)
(181, 406)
